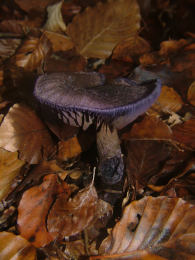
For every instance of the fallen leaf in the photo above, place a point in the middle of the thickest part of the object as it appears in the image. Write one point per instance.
(191, 94)
(32, 52)
(150, 127)
(15, 247)
(168, 101)
(153, 228)
(67, 218)
(185, 133)
(68, 149)
(131, 47)
(55, 21)
(59, 41)
(34, 208)
(8, 47)
(97, 30)
(10, 167)
(32, 5)
(171, 46)
(21, 130)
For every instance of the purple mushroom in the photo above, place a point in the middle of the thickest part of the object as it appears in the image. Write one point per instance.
(85, 98)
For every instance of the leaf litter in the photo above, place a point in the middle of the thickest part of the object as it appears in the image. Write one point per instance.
(46, 168)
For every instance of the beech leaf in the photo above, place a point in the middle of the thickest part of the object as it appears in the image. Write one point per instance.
(152, 228)
(10, 167)
(97, 30)
(15, 247)
(22, 130)
(191, 94)
(32, 52)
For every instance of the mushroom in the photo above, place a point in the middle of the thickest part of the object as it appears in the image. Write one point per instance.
(85, 98)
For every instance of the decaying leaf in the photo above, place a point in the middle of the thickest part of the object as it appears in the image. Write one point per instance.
(131, 47)
(22, 130)
(191, 94)
(8, 47)
(150, 127)
(10, 167)
(68, 218)
(185, 133)
(32, 52)
(68, 149)
(34, 207)
(97, 30)
(168, 101)
(153, 228)
(55, 21)
(15, 247)
(59, 41)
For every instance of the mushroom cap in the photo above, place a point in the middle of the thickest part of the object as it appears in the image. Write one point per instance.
(78, 94)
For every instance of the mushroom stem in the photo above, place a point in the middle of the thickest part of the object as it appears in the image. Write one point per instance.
(111, 164)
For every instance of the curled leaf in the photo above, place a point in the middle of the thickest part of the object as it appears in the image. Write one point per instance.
(55, 21)
(32, 52)
(153, 227)
(97, 30)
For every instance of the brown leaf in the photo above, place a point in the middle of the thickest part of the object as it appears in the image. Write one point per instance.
(128, 48)
(55, 21)
(153, 228)
(32, 5)
(191, 94)
(10, 167)
(97, 30)
(70, 217)
(171, 46)
(59, 42)
(15, 247)
(8, 47)
(1, 77)
(33, 52)
(22, 130)
(150, 127)
(34, 207)
(168, 101)
(185, 133)
(68, 149)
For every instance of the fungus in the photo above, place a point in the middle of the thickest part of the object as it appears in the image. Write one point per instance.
(85, 98)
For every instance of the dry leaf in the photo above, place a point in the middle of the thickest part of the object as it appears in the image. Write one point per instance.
(68, 218)
(10, 167)
(150, 127)
(185, 133)
(8, 47)
(32, 5)
(191, 94)
(168, 101)
(68, 149)
(153, 228)
(34, 208)
(33, 52)
(59, 42)
(1, 78)
(172, 46)
(15, 247)
(22, 130)
(55, 21)
(97, 30)
(133, 46)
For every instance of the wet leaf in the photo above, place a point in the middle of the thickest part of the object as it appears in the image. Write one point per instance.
(10, 167)
(191, 94)
(185, 133)
(55, 21)
(32, 52)
(68, 218)
(22, 130)
(34, 208)
(97, 30)
(153, 228)
(15, 247)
